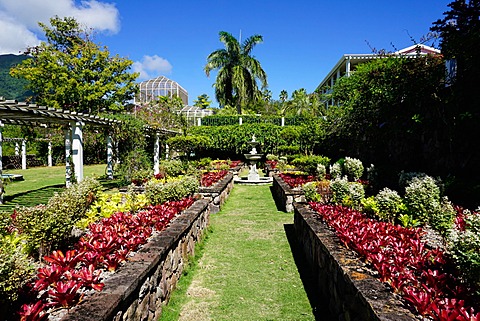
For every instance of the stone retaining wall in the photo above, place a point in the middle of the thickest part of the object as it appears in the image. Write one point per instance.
(351, 292)
(139, 290)
(285, 196)
(217, 194)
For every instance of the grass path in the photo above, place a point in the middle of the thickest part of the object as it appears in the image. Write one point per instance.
(245, 269)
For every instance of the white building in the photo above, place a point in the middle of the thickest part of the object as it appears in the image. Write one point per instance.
(349, 62)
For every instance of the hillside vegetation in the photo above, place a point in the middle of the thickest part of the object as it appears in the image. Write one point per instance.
(12, 88)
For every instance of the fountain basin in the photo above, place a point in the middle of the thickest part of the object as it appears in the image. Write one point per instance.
(253, 157)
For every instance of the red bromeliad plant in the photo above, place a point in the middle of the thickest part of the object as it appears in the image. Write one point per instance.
(210, 178)
(63, 281)
(234, 164)
(294, 180)
(272, 163)
(424, 277)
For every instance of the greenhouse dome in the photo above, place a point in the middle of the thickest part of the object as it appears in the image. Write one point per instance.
(150, 90)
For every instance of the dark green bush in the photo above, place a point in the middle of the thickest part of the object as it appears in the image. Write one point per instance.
(136, 166)
(49, 226)
(309, 163)
(464, 247)
(158, 192)
(16, 269)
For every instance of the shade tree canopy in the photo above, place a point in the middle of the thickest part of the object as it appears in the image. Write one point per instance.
(70, 71)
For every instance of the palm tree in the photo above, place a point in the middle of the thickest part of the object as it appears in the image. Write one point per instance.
(238, 71)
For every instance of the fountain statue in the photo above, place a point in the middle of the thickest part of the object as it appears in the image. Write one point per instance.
(253, 157)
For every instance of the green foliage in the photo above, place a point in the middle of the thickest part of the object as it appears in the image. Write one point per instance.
(288, 150)
(408, 221)
(321, 171)
(370, 206)
(158, 192)
(390, 205)
(163, 113)
(464, 245)
(335, 170)
(136, 167)
(69, 71)
(271, 157)
(172, 168)
(340, 189)
(404, 178)
(391, 111)
(49, 226)
(310, 192)
(302, 104)
(310, 163)
(235, 139)
(353, 168)
(356, 193)
(443, 217)
(187, 144)
(106, 205)
(422, 198)
(202, 101)
(12, 88)
(238, 71)
(16, 269)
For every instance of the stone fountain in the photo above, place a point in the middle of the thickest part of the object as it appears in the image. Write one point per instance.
(253, 157)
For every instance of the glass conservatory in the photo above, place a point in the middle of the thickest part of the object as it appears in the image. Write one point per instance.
(161, 86)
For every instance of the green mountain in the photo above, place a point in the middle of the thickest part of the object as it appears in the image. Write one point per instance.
(12, 88)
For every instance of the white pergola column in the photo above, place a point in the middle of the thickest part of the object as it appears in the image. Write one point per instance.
(283, 121)
(49, 157)
(199, 121)
(156, 154)
(68, 155)
(24, 154)
(347, 67)
(17, 149)
(109, 157)
(77, 150)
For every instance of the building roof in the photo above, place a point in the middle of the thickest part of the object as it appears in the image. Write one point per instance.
(356, 59)
(150, 90)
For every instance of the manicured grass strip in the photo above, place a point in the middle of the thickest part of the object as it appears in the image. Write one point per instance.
(40, 183)
(247, 271)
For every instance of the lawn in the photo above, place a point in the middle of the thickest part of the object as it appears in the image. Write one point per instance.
(246, 269)
(40, 183)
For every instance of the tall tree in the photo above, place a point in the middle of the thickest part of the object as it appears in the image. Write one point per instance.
(202, 101)
(70, 71)
(459, 32)
(238, 71)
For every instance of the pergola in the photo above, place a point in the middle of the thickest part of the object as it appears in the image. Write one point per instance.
(21, 113)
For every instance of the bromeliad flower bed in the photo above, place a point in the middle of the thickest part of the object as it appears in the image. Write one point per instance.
(67, 277)
(423, 277)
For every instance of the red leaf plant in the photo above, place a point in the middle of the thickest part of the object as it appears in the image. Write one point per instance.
(424, 277)
(210, 178)
(294, 180)
(65, 277)
(33, 312)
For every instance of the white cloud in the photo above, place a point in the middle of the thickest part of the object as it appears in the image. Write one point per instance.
(21, 17)
(15, 38)
(151, 66)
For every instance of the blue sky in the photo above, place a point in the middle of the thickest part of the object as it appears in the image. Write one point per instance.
(302, 39)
